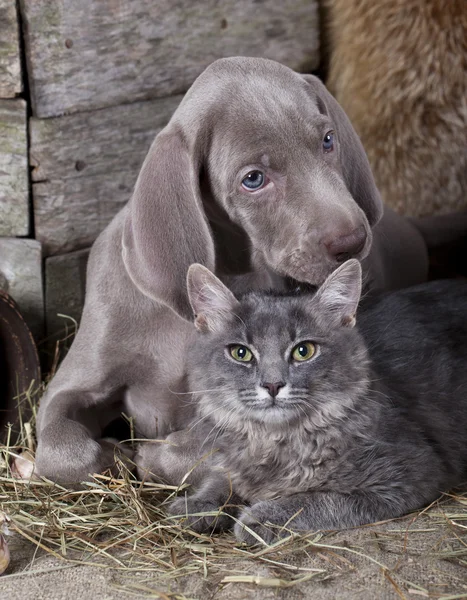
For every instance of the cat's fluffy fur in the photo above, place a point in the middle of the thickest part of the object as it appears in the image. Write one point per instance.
(371, 428)
(399, 69)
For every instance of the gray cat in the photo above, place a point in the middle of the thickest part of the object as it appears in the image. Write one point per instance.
(319, 424)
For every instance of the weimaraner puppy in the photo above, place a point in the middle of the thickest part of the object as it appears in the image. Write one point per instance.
(258, 172)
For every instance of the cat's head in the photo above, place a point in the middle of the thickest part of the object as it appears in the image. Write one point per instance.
(274, 358)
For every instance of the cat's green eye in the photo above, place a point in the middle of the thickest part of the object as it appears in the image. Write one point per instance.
(303, 351)
(241, 353)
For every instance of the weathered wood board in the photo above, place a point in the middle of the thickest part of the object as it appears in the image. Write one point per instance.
(21, 277)
(65, 281)
(14, 193)
(85, 167)
(93, 53)
(10, 64)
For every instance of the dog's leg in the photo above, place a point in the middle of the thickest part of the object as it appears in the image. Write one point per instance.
(82, 399)
(70, 447)
(442, 230)
(398, 257)
(95, 383)
(446, 240)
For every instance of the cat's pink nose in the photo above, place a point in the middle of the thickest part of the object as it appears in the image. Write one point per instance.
(273, 388)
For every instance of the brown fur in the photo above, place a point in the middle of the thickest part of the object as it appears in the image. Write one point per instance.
(399, 70)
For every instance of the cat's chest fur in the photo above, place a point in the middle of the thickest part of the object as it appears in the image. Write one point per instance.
(263, 464)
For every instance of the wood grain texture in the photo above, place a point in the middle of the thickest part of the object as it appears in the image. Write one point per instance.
(65, 282)
(93, 53)
(14, 193)
(10, 65)
(21, 277)
(85, 167)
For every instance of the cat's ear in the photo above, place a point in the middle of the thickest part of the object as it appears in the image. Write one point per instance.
(212, 302)
(340, 293)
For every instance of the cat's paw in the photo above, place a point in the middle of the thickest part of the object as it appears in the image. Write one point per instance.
(263, 520)
(200, 515)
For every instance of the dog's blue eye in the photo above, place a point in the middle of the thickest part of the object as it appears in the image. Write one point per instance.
(328, 142)
(253, 181)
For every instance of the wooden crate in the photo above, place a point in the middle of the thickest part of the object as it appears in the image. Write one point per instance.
(14, 186)
(10, 64)
(90, 54)
(85, 167)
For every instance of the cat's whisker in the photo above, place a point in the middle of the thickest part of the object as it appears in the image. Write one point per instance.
(301, 400)
(204, 417)
(186, 402)
(299, 407)
(224, 420)
(222, 428)
(240, 319)
(216, 425)
(193, 392)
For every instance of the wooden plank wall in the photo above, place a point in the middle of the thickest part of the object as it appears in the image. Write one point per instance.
(20, 259)
(94, 53)
(103, 78)
(81, 179)
(10, 63)
(14, 185)
(13, 145)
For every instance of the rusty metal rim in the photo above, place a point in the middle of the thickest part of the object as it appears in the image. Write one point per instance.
(19, 364)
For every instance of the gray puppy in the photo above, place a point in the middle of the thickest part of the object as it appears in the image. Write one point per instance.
(318, 424)
(259, 171)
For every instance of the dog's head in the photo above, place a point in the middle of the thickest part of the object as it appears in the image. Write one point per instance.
(277, 156)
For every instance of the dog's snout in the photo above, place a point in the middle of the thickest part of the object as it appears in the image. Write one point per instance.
(273, 388)
(347, 246)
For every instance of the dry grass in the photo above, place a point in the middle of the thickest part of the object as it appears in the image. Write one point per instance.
(120, 523)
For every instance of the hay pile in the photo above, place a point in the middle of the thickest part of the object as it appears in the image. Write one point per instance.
(120, 523)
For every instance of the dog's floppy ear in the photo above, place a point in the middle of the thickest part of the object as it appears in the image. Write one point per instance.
(166, 229)
(355, 166)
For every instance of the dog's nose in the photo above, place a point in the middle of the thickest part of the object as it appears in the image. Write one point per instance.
(347, 246)
(273, 388)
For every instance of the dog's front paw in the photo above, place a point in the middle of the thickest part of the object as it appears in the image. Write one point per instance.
(67, 454)
(261, 523)
(200, 515)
